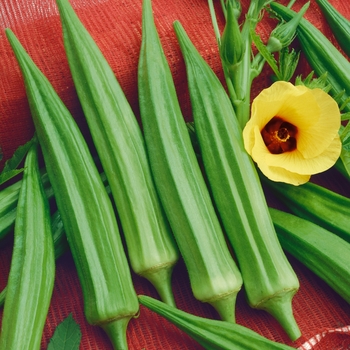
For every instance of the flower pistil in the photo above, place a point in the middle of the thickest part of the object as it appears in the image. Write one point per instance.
(279, 136)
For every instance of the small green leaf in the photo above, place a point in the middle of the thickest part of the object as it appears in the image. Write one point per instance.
(345, 116)
(270, 59)
(314, 83)
(9, 174)
(288, 61)
(344, 133)
(67, 335)
(10, 169)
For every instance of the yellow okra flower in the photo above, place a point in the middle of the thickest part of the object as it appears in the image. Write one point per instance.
(293, 132)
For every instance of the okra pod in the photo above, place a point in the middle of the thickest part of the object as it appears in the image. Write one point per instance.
(59, 238)
(110, 300)
(32, 270)
(317, 204)
(8, 204)
(120, 145)
(214, 276)
(321, 54)
(8, 208)
(324, 253)
(269, 280)
(212, 334)
(339, 24)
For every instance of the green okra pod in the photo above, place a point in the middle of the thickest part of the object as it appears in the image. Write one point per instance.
(110, 300)
(32, 270)
(324, 253)
(317, 204)
(214, 276)
(269, 280)
(120, 145)
(212, 334)
(58, 234)
(321, 54)
(8, 204)
(339, 24)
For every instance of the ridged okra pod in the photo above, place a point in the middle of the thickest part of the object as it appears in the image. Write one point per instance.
(120, 145)
(269, 280)
(213, 274)
(110, 300)
(324, 253)
(8, 204)
(32, 270)
(212, 334)
(8, 207)
(339, 24)
(321, 54)
(316, 203)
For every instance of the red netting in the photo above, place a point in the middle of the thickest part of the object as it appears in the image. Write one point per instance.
(116, 26)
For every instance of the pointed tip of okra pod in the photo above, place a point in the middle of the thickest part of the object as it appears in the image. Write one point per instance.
(116, 331)
(226, 307)
(10, 35)
(280, 307)
(161, 280)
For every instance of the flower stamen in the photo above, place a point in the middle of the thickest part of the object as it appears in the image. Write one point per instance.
(279, 136)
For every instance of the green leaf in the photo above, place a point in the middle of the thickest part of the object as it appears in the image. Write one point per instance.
(67, 335)
(270, 59)
(288, 61)
(344, 133)
(10, 169)
(345, 116)
(5, 176)
(313, 82)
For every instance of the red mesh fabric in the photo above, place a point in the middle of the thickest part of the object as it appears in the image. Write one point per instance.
(116, 26)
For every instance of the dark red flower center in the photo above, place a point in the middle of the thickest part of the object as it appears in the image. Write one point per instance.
(279, 136)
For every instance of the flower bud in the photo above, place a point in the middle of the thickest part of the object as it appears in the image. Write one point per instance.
(284, 34)
(231, 47)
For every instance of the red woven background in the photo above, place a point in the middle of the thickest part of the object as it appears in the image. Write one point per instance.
(116, 27)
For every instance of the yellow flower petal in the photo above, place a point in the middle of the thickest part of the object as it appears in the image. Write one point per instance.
(292, 167)
(283, 175)
(316, 117)
(292, 103)
(314, 140)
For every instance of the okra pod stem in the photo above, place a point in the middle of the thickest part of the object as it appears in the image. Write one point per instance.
(32, 270)
(214, 276)
(269, 280)
(110, 300)
(120, 145)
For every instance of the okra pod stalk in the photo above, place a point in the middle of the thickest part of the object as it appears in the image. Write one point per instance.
(120, 145)
(32, 270)
(213, 274)
(110, 300)
(324, 253)
(212, 334)
(269, 280)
